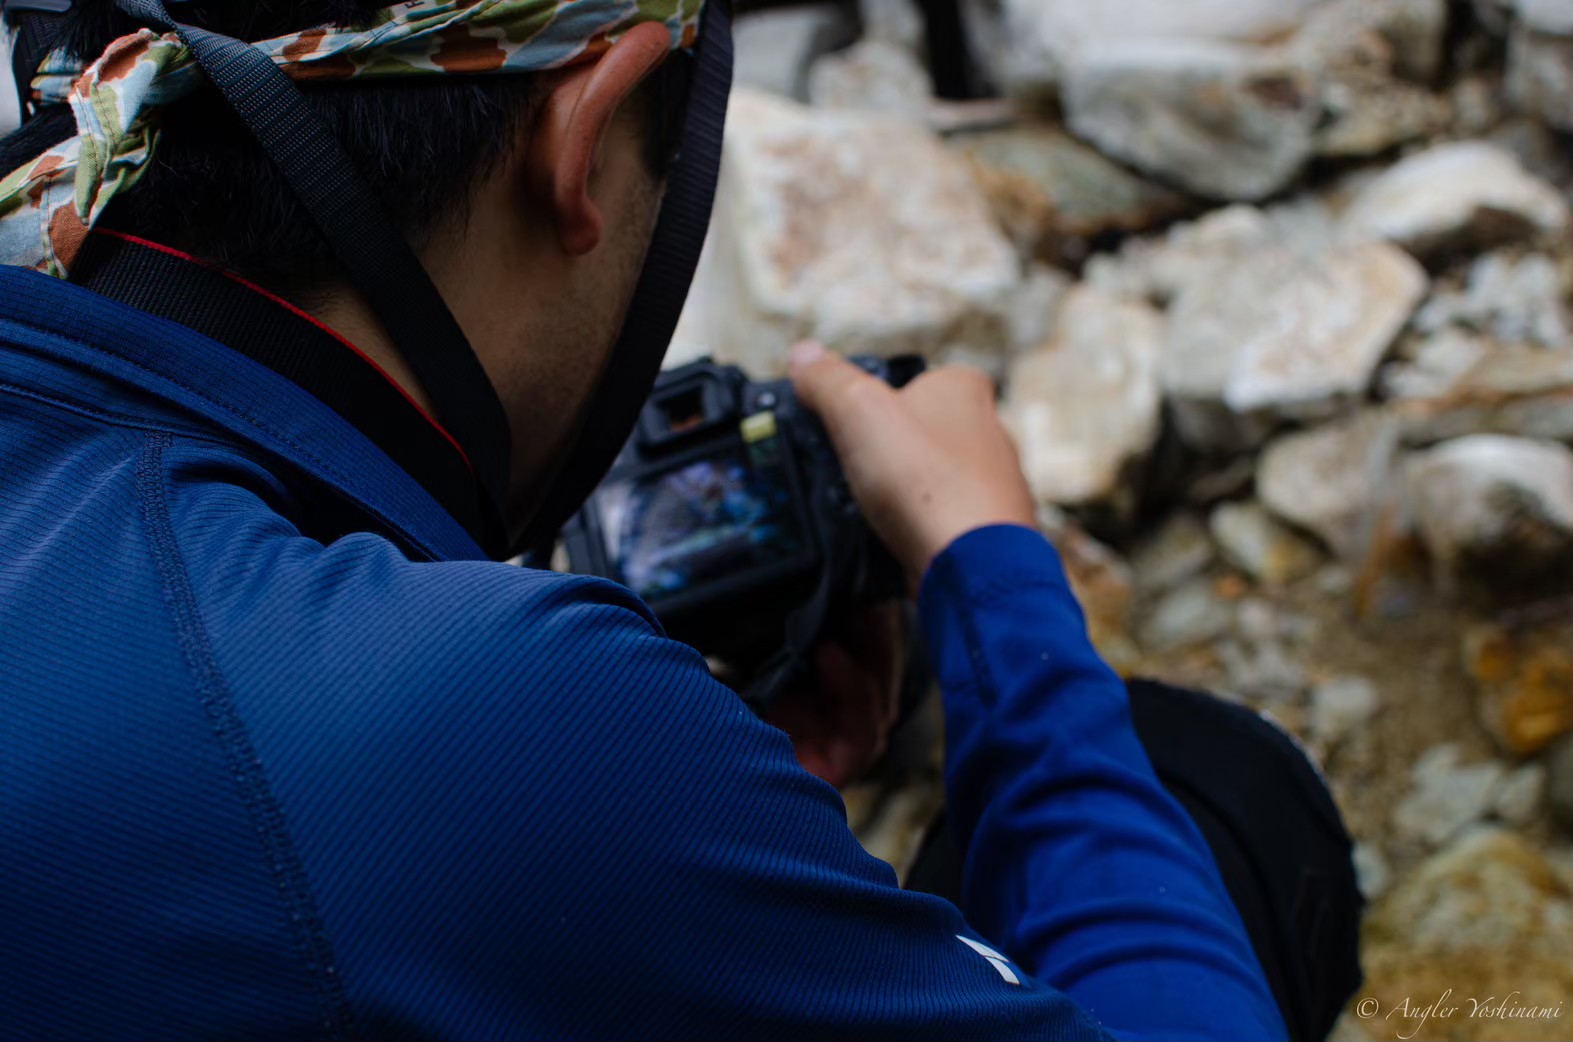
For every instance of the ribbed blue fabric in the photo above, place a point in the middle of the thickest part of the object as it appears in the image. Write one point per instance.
(264, 773)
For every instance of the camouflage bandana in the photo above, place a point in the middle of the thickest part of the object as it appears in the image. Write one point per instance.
(49, 205)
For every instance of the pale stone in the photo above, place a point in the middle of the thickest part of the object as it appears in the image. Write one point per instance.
(1026, 44)
(1371, 870)
(875, 76)
(775, 48)
(1367, 53)
(1086, 406)
(1489, 911)
(1223, 121)
(1189, 615)
(860, 231)
(1464, 195)
(1252, 541)
(1332, 480)
(1512, 299)
(1540, 75)
(1447, 795)
(1052, 192)
(1341, 707)
(1440, 365)
(1520, 391)
(1499, 504)
(1282, 336)
(1033, 309)
(1519, 797)
(1180, 550)
(1546, 16)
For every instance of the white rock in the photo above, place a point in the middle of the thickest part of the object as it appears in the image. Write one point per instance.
(1512, 299)
(774, 48)
(1192, 614)
(1463, 195)
(861, 231)
(1440, 365)
(1033, 309)
(1341, 707)
(1331, 480)
(1281, 336)
(1519, 796)
(1086, 406)
(1025, 44)
(1540, 75)
(1252, 541)
(1492, 900)
(875, 76)
(1367, 54)
(1494, 502)
(1447, 796)
(1371, 870)
(1546, 16)
(1223, 121)
(1179, 551)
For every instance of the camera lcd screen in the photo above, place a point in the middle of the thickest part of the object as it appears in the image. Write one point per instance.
(713, 519)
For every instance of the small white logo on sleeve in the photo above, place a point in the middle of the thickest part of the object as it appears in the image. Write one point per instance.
(996, 960)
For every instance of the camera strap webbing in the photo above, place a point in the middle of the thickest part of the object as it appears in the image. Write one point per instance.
(806, 626)
(378, 261)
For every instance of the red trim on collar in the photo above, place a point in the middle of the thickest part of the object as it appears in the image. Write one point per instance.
(298, 313)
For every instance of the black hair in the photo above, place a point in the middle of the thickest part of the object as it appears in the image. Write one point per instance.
(422, 145)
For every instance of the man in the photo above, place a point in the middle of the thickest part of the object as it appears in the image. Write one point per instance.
(284, 755)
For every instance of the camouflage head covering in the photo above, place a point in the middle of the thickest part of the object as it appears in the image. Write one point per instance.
(48, 206)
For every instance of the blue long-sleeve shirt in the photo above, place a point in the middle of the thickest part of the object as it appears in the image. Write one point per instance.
(266, 772)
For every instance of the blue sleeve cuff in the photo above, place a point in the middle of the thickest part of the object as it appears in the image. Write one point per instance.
(987, 563)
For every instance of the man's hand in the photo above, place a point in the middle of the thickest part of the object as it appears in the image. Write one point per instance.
(840, 719)
(928, 463)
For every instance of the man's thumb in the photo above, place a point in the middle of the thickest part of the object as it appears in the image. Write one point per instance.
(825, 382)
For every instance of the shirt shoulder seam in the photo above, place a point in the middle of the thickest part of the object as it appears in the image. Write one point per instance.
(283, 862)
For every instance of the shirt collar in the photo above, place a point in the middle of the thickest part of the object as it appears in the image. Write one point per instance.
(246, 318)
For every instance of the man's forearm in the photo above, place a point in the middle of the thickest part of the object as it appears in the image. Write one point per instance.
(1079, 863)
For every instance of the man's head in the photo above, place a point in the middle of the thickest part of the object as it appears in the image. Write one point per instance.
(531, 199)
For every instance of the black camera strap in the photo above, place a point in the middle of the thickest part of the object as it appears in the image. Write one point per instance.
(376, 258)
(805, 627)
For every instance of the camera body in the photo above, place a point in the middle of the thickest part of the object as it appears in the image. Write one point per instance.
(728, 513)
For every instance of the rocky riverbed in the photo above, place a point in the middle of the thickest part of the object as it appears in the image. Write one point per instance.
(1278, 293)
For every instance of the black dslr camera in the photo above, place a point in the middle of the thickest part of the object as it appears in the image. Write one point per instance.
(728, 513)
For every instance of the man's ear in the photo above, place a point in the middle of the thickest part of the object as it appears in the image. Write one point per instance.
(577, 111)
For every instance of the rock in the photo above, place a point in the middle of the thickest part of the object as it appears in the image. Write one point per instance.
(1546, 16)
(1341, 707)
(875, 76)
(1331, 480)
(1519, 796)
(1523, 681)
(1512, 299)
(1540, 75)
(1262, 671)
(1223, 121)
(1033, 309)
(1521, 391)
(1461, 196)
(774, 48)
(1252, 541)
(1559, 781)
(1025, 45)
(1368, 53)
(1439, 366)
(1084, 408)
(1447, 796)
(1189, 615)
(1487, 916)
(1052, 193)
(1495, 506)
(861, 231)
(1371, 870)
(1179, 551)
(1280, 336)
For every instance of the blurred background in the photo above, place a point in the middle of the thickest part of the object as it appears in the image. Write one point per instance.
(1278, 294)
